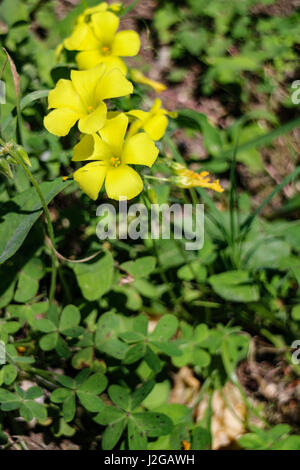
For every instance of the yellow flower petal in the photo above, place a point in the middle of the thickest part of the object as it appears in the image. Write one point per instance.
(156, 106)
(139, 114)
(60, 121)
(126, 44)
(156, 126)
(105, 25)
(139, 77)
(90, 178)
(58, 51)
(85, 83)
(91, 147)
(88, 59)
(81, 39)
(64, 96)
(139, 150)
(112, 85)
(94, 121)
(85, 16)
(123, 182)
(113, 133)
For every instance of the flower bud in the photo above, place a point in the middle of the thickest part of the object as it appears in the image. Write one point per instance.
(21, 152)
(5, 168)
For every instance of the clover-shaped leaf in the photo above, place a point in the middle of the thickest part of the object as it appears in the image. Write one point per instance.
(144, 345)
(140, 424)
(85, 387)
(56, 326)
(25, 402)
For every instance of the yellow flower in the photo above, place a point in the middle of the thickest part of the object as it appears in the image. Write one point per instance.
(112, 154)
(189, 179)
(99, 42)
(153, 122)
(139, 77)
(88, 12)
(81, 99)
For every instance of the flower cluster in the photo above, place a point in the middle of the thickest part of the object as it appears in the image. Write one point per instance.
(111, 141)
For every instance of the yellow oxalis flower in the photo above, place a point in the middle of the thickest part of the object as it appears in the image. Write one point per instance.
(81, 99)
(88, 12)
(190, 179)
(112, 154)
(139, 77)
(153, 122)
(99, 42)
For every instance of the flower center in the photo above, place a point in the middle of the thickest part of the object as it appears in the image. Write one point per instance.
(105, 50)
(90, 108)
(115, 161)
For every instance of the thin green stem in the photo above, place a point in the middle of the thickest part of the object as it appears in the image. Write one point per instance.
(50, 228)
(48, 220)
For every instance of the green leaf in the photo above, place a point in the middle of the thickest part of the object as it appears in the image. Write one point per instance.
(9, 374)
(153, 424)
(45, 325)
(70, 318)
(153, 360)
(106, 337)
(13, 11)
(48, 342)
(135, 353)
(131, 337)
(158, 395)
(235, 286)
(113, 433)
(83, 358)
(59, 395)
(38, 411)
(167, 348)
(109, 415)
(62, 348)
(26, 288)
(289, 443)
(95, 384)
(69, 408)
(95, 278)
(137, 439)
(141, 267)
(21, 212)
(188, 272)
(33, 392)
(296, 313)
(120, 396)
(63, 429)
(165, 328)
(201, 439)
(90, 401)
(66, 381)
(141, 393)
(26, 412)
(6, 396)
(201, 358)
(32, 97)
